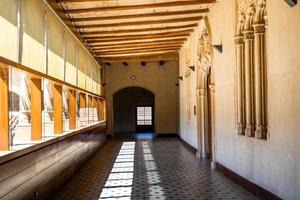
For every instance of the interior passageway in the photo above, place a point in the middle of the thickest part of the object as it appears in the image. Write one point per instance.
(150, 169)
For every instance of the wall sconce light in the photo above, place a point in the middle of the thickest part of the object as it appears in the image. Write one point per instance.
(143, 63)
(133, 77)
(192, 68)
(161, 62)
(291, 2)
(218, 47)
(125, 63)
(180, 78)
(177, 84)
(104, 84)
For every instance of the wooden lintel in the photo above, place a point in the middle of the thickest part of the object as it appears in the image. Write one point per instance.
(137, 6)
(35, 87)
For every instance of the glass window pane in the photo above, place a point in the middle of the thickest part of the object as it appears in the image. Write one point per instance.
(19, 109)
(48, 113)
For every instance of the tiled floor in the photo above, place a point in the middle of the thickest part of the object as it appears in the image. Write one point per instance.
(157, 169)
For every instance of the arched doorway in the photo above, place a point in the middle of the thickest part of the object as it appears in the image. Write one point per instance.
(133, 111)
(205, 97)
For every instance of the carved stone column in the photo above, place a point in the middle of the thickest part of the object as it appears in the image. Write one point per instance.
(260, 81)
(249, 86)
(239, 48)
(214, 140)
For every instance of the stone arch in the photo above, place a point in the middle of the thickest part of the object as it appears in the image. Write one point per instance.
(205, 90)
(261, 13)
(130, 97)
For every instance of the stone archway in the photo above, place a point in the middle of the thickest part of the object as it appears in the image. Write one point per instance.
(205, 96)
(125, 104)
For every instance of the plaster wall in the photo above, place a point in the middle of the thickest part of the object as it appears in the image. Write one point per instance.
(273, 164)
(188, 86)
(159, 79)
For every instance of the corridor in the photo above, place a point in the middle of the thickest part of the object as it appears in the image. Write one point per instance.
(150, 169)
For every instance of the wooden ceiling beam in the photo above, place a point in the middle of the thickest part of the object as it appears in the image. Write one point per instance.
(149, 35)
(135, 7)
(142, 44)
(143, 15)
(136, 38)
(136, 47)
(172, 41)
(140, 30)
(107, 52)
(165, 57)
(137, 54)
(136, 23)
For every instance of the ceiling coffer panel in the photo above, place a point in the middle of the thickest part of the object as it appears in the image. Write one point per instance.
(131, 29)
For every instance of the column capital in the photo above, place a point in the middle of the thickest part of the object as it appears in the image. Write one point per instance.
(248, 34)
(239, 40)
(259, 28)
(200, 92)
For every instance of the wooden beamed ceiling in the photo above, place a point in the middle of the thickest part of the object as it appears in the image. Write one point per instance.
(132, 30)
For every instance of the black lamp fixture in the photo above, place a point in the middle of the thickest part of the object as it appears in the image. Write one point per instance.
(218, 47)
(104, 84)
(291, 3)
(125, 63)
(161, 62)
(180, 78)
(192, 68)
(143, 63)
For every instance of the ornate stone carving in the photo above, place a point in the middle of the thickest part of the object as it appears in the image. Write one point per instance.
(259, 29)
(248, 35)
(239, 40)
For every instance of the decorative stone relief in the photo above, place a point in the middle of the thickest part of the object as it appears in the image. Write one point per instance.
(251, 68)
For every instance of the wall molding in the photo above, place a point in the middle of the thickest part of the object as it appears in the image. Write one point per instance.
(188, 146)
(255, 189)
